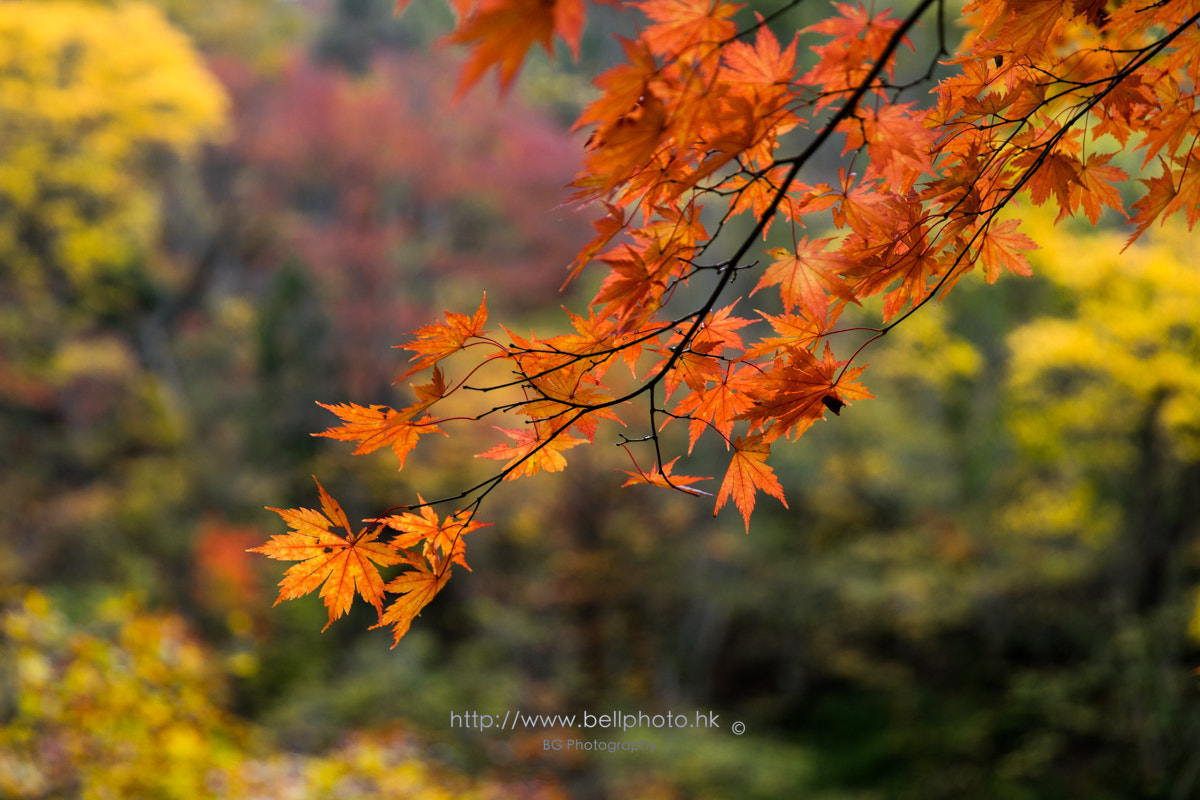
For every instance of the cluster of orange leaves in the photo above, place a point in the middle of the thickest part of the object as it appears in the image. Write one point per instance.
(1042, 97)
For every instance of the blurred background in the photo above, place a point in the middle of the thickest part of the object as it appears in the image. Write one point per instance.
(214, 214)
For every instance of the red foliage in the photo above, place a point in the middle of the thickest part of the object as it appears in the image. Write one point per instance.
(379, 185)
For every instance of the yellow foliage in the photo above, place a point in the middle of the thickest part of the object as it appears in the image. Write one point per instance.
(925, 339)
(1126, 356)
(93, 101)
(1194, 622)
(1108, 380)
(126, 715)
(1050, 511)
(128, 708)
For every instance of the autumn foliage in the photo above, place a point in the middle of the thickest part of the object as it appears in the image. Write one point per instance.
(711, 110)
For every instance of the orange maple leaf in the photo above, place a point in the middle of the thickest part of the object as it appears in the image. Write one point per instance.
(1002, 246)
(898, 143)
(719, 405)
(692, 368)
(607, 227)
(683, 24)
(747, 473)
(796, 391)
(435, 536)
(344, 564)
(417, 587)
(796, 332)
(376, 426)
(1096, 189)
(502, 31)
(633, 289)
(439, 340)
(1161, 196)
(808, 278)
(663, 477)
(620, 147)
(531, 452)
(756, 194)
(1055, 175)
(859, 39)
(718, 333)
(761, 65)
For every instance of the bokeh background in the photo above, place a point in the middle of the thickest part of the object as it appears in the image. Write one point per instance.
(214, 214)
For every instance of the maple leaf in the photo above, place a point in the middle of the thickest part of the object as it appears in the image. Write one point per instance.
(906, 254)
(792, 394)
(439, 340)
(720, 404)
(856, 23)
(438, 539)
(1162, 193)
(756, 194)
(663, 477)
(796, 332)
(761, 65)
(683, 24)
(869, 213)
(718, 333)
(502, 31)
(531, 452)
(417, 587)
(1002, 246)
(1096, 189)
(345, 565)
(1170, 192)
(859, 38)
(748, 472)
(1172, 124)
(623, 87)
(625, 145)
(376, 426)
(807, 278)
(690, 367)
(633, 288)
(607, 227)
(898, 143)
(1030, 24)
(1057, 174)
(602, 333)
